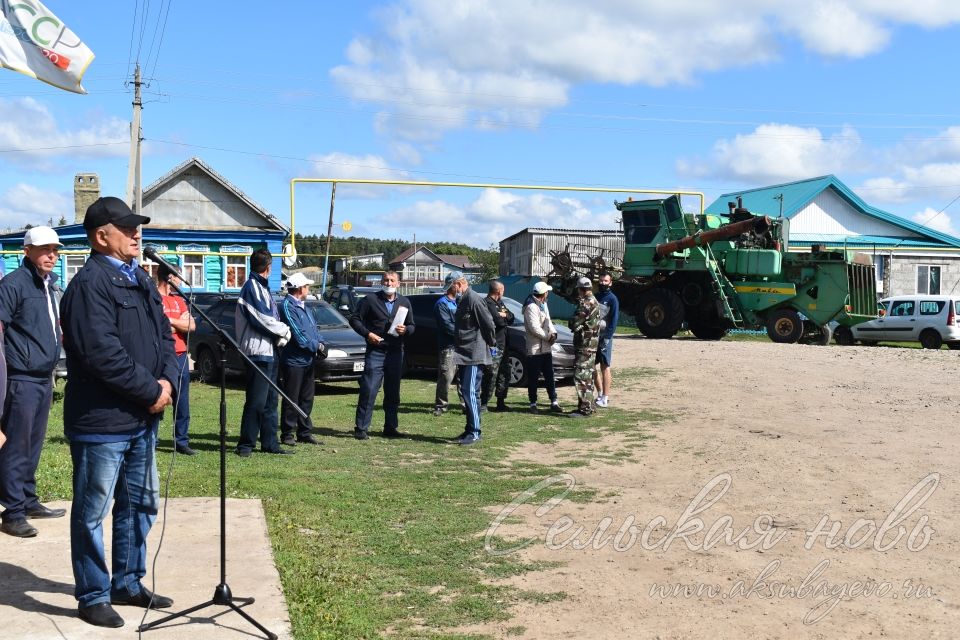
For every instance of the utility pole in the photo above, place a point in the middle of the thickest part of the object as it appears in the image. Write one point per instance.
(134, 184)
(326, 258)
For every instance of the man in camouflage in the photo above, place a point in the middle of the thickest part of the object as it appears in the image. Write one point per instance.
(585, 325)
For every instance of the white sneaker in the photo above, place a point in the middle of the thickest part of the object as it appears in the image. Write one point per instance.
(602, 401)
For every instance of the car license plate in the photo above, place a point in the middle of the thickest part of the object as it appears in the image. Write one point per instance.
(358, 366)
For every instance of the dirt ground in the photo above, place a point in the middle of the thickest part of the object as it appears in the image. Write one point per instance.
(841, 463)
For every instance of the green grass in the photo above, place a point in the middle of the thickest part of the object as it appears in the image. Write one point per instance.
(382, 536)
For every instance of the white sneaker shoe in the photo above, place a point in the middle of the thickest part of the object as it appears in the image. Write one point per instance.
(602, 401)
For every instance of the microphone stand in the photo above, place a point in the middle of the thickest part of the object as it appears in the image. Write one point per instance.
(221, 594)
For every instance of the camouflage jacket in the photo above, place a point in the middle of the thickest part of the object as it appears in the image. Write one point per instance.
(585, 323)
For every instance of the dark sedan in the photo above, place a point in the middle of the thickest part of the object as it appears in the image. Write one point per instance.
(345, 349)
(421, 347)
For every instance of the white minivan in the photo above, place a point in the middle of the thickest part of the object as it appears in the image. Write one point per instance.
(927, 319)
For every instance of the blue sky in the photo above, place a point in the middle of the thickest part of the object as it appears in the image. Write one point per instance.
(690, 95)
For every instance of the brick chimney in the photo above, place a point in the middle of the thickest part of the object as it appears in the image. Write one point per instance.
(86, 190)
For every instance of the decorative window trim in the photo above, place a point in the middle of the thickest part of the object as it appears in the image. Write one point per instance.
(193, 248)
(237, 248)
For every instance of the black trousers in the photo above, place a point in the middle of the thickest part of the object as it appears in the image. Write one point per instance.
(25, 425)
(298, 383)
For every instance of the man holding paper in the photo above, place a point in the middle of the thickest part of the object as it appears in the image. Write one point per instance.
(384, 320)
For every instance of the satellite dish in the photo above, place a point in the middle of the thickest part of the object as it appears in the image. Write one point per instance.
(291, 259)
(347, 225)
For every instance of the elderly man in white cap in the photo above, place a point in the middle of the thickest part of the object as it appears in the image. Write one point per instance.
(30, 317)
(541, 335)
(296, 362)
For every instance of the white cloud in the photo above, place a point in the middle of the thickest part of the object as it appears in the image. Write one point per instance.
(437, 65)
(24, 204)
(495, 214)
(776, 153)
(28, 124)
(936, 220)
(934, 181)
(346, 166)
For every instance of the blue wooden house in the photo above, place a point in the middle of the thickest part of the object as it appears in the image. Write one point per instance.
(909, 257)
(198, 220)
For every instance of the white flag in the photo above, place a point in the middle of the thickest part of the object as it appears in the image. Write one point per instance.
(34, 42)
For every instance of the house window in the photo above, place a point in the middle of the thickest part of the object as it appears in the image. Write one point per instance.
(72, 264)
(192, 269)
(236, 271)
(928, 279)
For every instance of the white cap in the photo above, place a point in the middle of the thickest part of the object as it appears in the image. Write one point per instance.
(541, 288)
(40, 236)
(584, 283)
(298, 280)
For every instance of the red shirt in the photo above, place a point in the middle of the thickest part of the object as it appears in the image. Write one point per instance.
(173, 308)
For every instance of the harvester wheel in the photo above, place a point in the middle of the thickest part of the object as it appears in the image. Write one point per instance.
(785, 326)
(659, 313)
(705, 330)
(843, 336)
(930, 339)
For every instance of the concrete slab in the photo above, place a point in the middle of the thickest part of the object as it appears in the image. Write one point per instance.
(36, 580)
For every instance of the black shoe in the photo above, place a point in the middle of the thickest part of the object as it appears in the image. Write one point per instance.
(243, 453)
(19, 529)
(555, 407)
(145, 600)
(185, 450)
(43, 511)
(439, 411)
(461, 436)
(393, 433)
(533, 408)
(360, 434)
(483, 408)
(501, 407)
(309, 440)
(101, 615)
(280, 452)
(289, 440)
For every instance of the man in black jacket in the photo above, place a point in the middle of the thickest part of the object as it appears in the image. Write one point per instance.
(121, 370)
(28, 311)
(383, 363)
(495, 376)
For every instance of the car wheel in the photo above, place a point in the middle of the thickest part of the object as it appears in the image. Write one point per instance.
(953, 346)
(517, 367)
(784, 326)
(208, 367)
(843, 336)
(825, 335)
(930, 339)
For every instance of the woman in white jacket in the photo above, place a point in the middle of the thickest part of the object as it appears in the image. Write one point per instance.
(541, 335)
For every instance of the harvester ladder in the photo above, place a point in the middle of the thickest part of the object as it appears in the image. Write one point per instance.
(723, 289)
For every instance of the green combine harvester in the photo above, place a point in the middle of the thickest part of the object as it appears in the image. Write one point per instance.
(720, 273)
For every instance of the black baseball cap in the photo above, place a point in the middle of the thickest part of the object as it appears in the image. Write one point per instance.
(111, 210)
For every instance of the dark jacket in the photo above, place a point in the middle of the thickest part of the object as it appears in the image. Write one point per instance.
(372, 317)
(445, 311)
(608, 299)
(500, 322)
(305, 337)
(475, 331)
(118, 344)
(32, 343)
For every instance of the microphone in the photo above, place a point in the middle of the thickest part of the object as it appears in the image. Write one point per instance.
(151, 253)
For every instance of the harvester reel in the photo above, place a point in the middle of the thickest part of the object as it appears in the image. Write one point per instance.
(561, 262)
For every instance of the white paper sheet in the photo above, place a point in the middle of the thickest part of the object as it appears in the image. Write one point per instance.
(397, 321)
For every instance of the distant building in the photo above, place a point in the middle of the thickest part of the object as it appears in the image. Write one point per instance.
(368, 259)
(527, 252)
(198, 220)
(910, 258)
(425, 268)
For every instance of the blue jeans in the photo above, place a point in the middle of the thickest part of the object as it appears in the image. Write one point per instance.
(182, 408)
(126, 472)
(25, 425)
(260, 417)
(471, 376)
(380, 368)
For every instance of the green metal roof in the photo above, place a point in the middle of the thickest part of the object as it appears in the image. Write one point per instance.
(796, 195)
